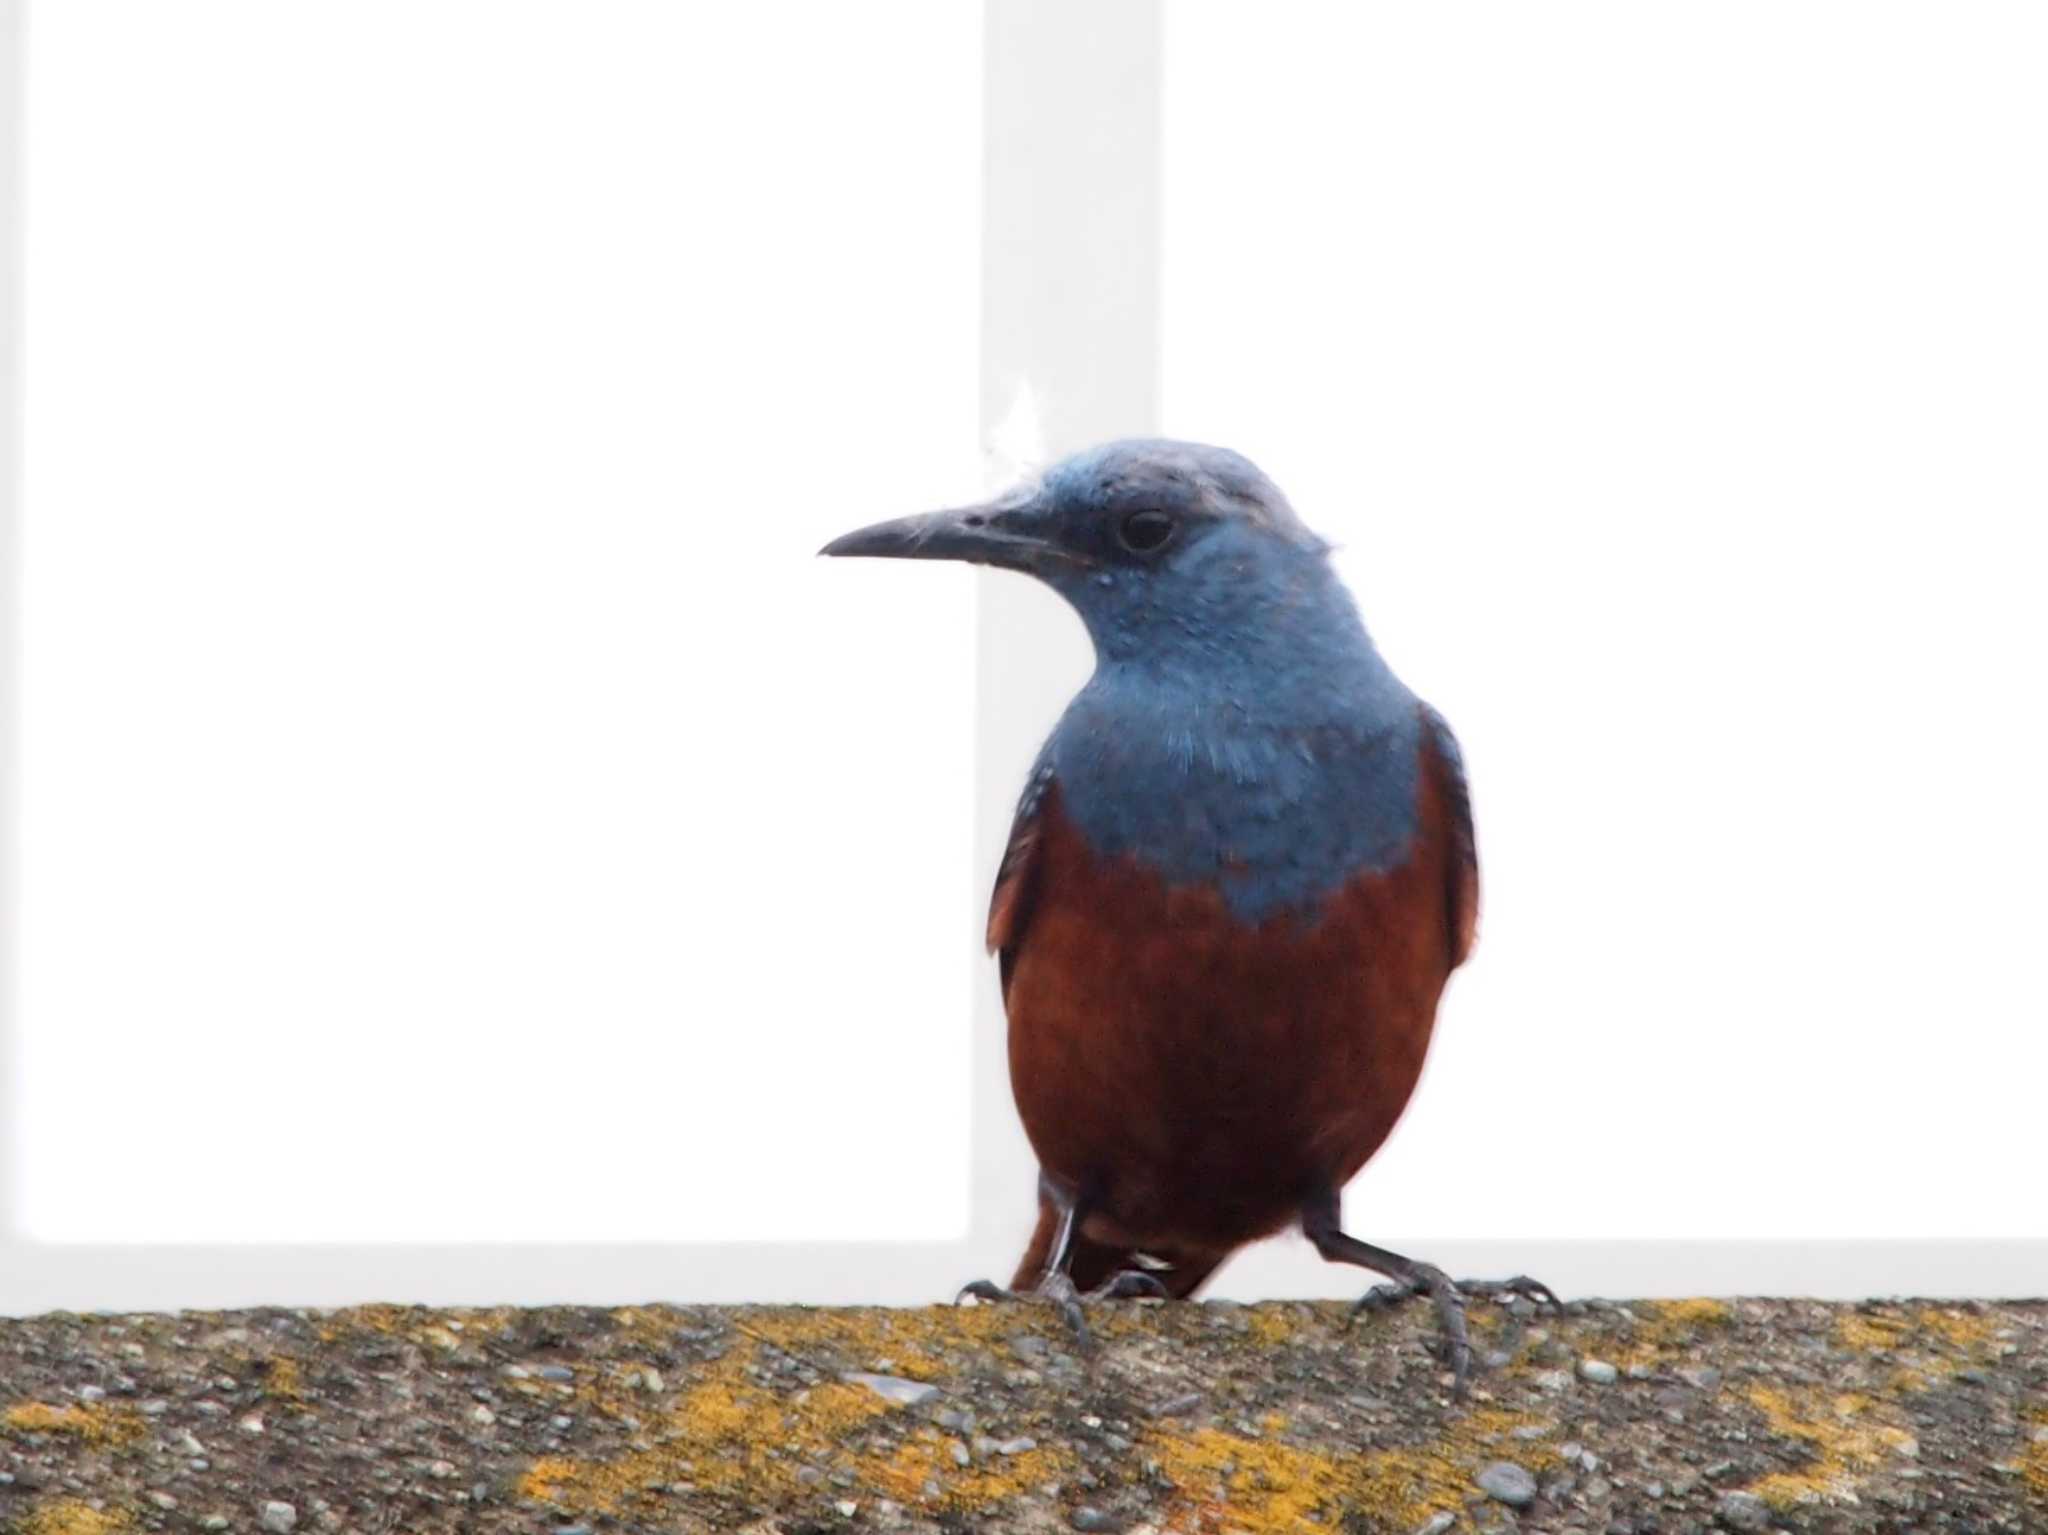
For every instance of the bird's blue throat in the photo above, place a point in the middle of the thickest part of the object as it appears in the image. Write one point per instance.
(1240, 731)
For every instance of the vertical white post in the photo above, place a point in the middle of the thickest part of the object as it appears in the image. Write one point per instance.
(11, 117)
(1070, 356)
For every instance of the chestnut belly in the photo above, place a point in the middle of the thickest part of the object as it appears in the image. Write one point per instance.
(1206, 1075)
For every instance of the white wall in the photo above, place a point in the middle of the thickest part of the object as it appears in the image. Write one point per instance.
(456, 804)
(1673, 378)
(456, 809)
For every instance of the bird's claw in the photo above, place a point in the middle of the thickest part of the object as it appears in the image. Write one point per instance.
(1384, 1297)
(1450, 1296)
(984, 1289)
(1058, 1291)
(1130, 1284)
(1521, 1287)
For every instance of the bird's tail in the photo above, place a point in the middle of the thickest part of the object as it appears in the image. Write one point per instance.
(1094, 1262)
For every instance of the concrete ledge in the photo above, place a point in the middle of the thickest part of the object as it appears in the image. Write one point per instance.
(1196, 1418)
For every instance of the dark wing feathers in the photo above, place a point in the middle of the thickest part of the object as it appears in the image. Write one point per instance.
(1461, 892)
(1016, 891)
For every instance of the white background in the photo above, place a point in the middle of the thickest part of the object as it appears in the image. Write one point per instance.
(1675, 379)
(456, 807)
(456, 803)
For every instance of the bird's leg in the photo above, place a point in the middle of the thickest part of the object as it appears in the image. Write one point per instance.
(1055, 1284)
(1320, 1223)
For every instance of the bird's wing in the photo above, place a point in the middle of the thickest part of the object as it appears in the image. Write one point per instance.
(1016, 892)
(1461, 885)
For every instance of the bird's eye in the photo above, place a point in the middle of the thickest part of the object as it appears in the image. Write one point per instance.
(1143, 532)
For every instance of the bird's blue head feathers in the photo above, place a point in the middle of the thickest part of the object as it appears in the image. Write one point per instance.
(1240, 727)
(1161, 546)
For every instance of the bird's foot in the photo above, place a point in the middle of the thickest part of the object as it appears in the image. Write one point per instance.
(1449, 1296)
(1382, 1296)
(1058, 1291)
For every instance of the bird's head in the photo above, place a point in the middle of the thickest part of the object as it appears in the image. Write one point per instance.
(1159, 545)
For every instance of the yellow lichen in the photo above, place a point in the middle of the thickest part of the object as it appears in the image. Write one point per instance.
(442, 1329)
(2034, 1468)
(72, 1516)
(283, 1379)
(912, 1342)
(1266, 1486)
(922, 1471)
(1968, 1331)
(1260, 1484)
(95, 1423)
(1871, 1331)
(1271, 1325)
(1848, 1434)
(727, 1434)
(1664, 1328)
(1931, 1343)
(546, 1477)
(1687, 1317)
(2034, 1458)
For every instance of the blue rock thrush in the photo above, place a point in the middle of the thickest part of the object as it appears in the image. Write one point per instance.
(1241, 873)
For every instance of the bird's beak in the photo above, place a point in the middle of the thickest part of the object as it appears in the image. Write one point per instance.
(996, 533)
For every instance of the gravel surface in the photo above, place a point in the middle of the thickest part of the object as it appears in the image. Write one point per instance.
(1197, 1419)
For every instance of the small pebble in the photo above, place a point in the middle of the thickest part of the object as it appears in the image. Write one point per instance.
(1508, 1483)
(555, 1372)
(92, 1394)
(1086, 1518)
(1598, 1371)
(809, 1476)
(278, 1518)
(163, 1500)
(1552, 1380)
(1178, 1406)
(1743, 1511)
(214, 1522)
(440, 1470)
(1438, 1524)
(482, 1415)
(959, 1453)
(1018, 1446)
(847, 1508)
(253, 1424)
(893, 1388)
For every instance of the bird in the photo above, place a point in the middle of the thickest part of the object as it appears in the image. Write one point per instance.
(1241, 872)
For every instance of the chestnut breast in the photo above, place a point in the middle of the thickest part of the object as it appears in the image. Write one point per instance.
(1206, 1071)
